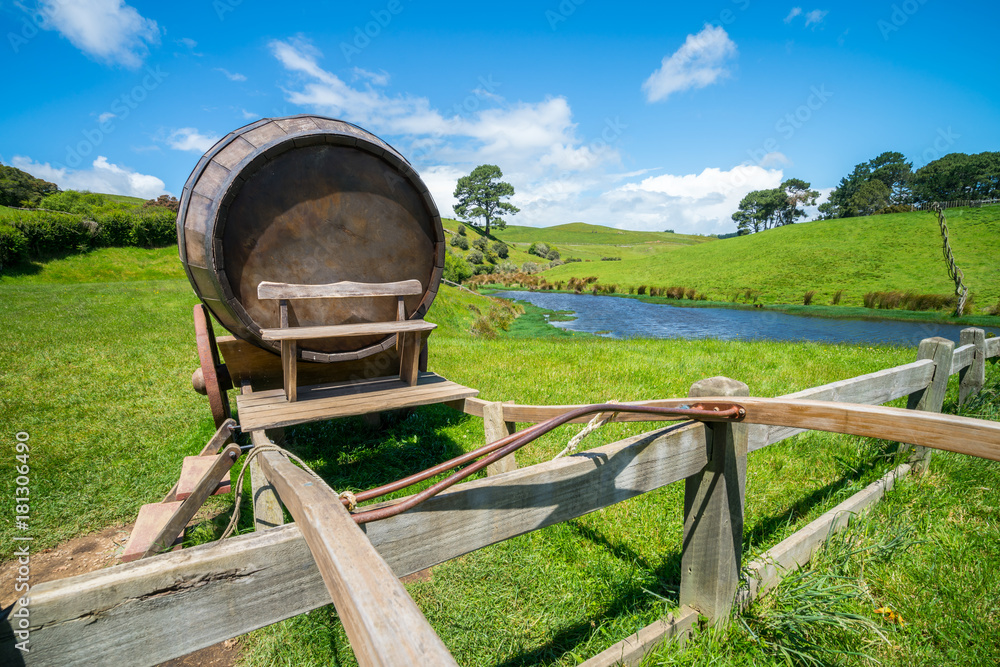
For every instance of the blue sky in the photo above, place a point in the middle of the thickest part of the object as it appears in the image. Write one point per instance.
(616, 113)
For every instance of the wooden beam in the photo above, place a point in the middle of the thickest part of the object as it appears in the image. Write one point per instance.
(382, 621)
(993, 347)
(345, 288)
(871, 389)
(346, 330)
(712, 549)
(631, 650)
(495, 428)
(941, 352)
(877, 387)
(963, 356)
(272, 572)
(972, 378)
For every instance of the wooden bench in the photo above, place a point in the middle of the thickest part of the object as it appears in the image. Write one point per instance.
(407, 331)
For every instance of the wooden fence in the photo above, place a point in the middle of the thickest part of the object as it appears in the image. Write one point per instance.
(162, 607)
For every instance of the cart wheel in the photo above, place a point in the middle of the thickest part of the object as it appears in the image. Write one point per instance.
(214, 375)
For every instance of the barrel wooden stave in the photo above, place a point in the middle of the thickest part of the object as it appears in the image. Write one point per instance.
(307, 200)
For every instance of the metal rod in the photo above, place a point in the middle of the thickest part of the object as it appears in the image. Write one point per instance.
(714, 412)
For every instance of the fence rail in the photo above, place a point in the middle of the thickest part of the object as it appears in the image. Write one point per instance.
(205, 594)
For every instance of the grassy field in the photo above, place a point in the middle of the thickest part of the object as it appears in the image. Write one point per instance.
(99, 374)
(857, 255)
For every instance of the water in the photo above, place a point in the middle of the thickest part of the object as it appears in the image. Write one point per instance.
(617, 317)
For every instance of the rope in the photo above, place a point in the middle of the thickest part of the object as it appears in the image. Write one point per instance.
(599, 420)
(238, 489)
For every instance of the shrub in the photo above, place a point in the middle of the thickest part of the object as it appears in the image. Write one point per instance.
(12, 245)
(507, 267)
(552, 254)
(641, 290)
(556, 262)
(611, 259)
(474, 257)
(456, 269)
(501, 249)
(690, 293)
(910, 301)
(530, 267)
(836, 297)
(538, 248)
(573, 259)
(115, 229)
(52, 233)
(807, 299)
(460, 242)
(164, 201)
(154, 228)
(481, 244)
(461, 229)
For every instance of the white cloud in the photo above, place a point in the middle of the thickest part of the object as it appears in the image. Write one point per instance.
(188, 42)
(189, 139)
(108, 30)
(774, 159)
(106, 116)
(816, 16)
(525, 138)
(377, 78)
(103, 177)
(698, 63)
(232, 76)
(249, 115)
(792, 14)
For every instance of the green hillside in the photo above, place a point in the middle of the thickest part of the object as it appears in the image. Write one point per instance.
(879, 253)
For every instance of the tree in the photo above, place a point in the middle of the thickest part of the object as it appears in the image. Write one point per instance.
(896, 173)
(759, 210)
(19, 188)
(481, 194)
(871, 197)
(797, 193)
(889, 168)
(959, 176)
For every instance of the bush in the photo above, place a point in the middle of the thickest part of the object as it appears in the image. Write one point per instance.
(115, 229)
(49, 233)
(460, 242)
(690, 293)
(164, 201)
(154, 228)
(507, 267)
(611, 259)
(641, 290)
(556, 262)
(12, 245)
(461, 230)
(573, 259)
(501, 249)
(836, 297)
(807, 299)
(552, 255)
(538, 248)
(910, 301)
(456, 269)
(481, 243)
(474, 257)
(530, 267)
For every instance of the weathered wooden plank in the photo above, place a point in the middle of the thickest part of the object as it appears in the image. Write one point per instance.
(940, 351)
(269, 409)
(713, 512)
(631, 650)
(878, 387)
(74, 620)
(871, 389)
(344, 288)
(993, 347)
(409, 359)
(962, 357)
(495, 428)
(266, 507)
(383, 623)
(346, 330)
(972, 378)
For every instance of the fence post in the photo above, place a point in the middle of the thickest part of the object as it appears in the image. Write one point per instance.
(497, 428)
(931, 398)
(972, 378)
(713, 512)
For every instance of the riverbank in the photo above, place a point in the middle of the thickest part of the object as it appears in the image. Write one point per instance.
(828, 312)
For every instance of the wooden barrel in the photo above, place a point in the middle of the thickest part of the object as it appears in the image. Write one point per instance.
(307, 200)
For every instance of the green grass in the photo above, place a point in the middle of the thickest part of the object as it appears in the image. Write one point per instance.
(99, 375)
(100, 265)
(878, 253)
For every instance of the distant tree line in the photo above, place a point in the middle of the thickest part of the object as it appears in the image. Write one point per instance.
(888, 184)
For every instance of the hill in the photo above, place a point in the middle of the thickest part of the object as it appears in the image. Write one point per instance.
(900, 251)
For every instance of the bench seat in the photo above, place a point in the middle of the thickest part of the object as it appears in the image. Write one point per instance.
(344, 330)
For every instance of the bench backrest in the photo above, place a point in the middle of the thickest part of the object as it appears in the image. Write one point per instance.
(269, 290)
